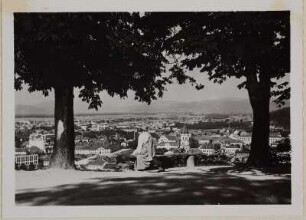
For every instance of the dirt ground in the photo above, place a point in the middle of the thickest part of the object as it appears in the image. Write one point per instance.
(177, 186)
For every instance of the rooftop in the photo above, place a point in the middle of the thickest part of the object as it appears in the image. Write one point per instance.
(89, 146)
(232, 146)
(243, 151)
(20, 150)
(207, 146)
(172, 138)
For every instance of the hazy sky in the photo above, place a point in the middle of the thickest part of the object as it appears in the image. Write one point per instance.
(175, 92)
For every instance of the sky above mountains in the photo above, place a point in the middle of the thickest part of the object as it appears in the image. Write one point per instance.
(175, 92)
(175, 97)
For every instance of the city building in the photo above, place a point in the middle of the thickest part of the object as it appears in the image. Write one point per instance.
(37, 140)
(49, 138)
(20, 151)
(97, 127)
(246, 138)
(124, 144)
(91, 150)
(207, 149)
(83, 127)
(167, 139)
(97, 164)
(26, 159)
(230, 141)
(168, 145)
(242, 155)
(274, 137)
(45, 159)
(80, 138)
(203, 139)
(168, 142)
(230, 150)
(185, 138)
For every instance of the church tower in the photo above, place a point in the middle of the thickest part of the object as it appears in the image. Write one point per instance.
(185, 138)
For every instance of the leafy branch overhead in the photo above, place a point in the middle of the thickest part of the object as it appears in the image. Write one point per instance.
(231, 44)
(118, 52)
(91, 51)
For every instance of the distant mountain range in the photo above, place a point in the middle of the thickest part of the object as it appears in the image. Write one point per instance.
(226, 106)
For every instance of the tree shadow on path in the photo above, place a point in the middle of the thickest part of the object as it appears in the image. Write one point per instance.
(216, 186)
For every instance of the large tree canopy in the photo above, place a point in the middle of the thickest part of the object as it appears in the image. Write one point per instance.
(92, 51)
(229, 44)
(253, 45)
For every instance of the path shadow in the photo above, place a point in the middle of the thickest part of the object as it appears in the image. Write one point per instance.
(213, 187)
(272, 170)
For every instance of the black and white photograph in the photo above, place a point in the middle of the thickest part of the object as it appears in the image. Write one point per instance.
(154, 108)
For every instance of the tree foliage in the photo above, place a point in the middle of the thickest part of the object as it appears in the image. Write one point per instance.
(91, 51)
(160, 151)
(194, 143)
(229, 44)
(35, 150)
(117, 52)
(281, 117)
(284, 145)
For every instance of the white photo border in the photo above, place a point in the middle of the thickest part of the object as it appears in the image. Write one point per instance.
(8, 106)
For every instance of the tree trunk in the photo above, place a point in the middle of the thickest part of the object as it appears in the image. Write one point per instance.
(63, 150)
(259, 94)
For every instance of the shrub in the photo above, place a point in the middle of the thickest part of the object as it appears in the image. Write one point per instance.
(82, 167)
(110, 159)
(174, 160)
(124, 158)
(125, 161)
(124, 166)
(284, 159)
(163, 162)
(17, 167)
(132, 144)
(35, 150)
(40, 164)
(160, 151)
(177, 150)
(212, 160)
(284, 145)
(194, 151)
(179, 160)
(111, 166)
(194, 143)
(32, 166)
(23, 167)
(280, 157)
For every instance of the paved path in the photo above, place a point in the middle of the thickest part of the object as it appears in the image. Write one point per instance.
(176, 186)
